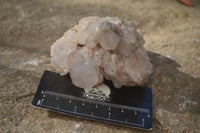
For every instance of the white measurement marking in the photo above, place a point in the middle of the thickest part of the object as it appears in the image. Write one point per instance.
(70, 101)
(148, 115)
(101, 118)
(75, 109)
(98, 102)
(96, 106)
(44, 95)
(109, 115)
(109, 108)
(42, 99)
(42, 92)
(83, 103)
(57, 98)
(122, 111)
(135, 113)
(38, 103)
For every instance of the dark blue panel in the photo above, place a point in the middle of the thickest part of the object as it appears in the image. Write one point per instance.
(128, 106)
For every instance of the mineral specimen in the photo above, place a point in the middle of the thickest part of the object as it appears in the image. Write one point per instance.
(98, 48)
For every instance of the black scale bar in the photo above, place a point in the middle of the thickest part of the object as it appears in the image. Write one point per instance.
(70, 102)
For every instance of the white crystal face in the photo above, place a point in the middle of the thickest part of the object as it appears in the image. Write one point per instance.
(97, 48)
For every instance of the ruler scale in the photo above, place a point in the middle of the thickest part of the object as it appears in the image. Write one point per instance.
(127, 106)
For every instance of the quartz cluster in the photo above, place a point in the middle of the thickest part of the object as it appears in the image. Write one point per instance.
(102, 47)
